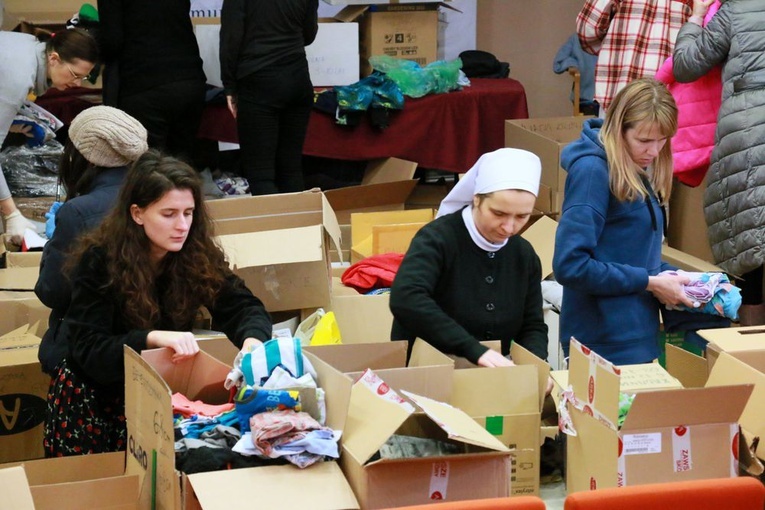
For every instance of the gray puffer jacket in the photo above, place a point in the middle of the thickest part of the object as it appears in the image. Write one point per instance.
(734, 203)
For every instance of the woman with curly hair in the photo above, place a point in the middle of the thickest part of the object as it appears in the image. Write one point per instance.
(139, 280)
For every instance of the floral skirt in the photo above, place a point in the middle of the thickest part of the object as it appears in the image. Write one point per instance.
(80, 419)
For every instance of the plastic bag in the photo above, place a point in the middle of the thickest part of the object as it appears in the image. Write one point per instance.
(32, 171)
(306, 328)
(327, 332)
(415, 81)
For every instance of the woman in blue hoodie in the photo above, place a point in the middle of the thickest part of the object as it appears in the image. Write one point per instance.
(608, 243)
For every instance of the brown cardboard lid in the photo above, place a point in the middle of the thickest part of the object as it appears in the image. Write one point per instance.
(456, 423)
(522, 356)
(690, 406)
(541, 235)
(736, 339)
(322, 486)
(15, 489)
(371, 420)
(19, 278)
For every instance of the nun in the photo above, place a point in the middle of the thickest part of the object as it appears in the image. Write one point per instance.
(467, 277)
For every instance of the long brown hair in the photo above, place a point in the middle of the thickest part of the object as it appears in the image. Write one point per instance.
(645, 100)
(190, 278)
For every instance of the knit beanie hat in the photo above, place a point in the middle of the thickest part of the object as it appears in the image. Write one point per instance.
(108, 137)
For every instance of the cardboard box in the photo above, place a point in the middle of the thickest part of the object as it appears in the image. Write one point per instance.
(513, 417)
(151, 378)
(22, 309)
(546, 138)
(386, 185)
(686, 261)
(279, 245)
(480, 470)
(737, 356)
(23, 397)
(428, 373)
(362, 318)
(687, 228)
(39, 12)
(23, 259)
(668, 435)
(19, 278)
(405, 31)
(385, 232)
(95, 482)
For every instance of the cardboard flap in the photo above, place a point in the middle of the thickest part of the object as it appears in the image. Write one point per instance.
(198, 378)
(469, 391)
(522, 356)
(687, 262)
(148, 409)
(424, 354)
(351, 13)
(541, 235)
(15, 489)
(75, 468)
(729, 370)
(736, 339)
(595, 381)
(688, 368)
(691, 406)
(388, 170)
(456, 423)
(338, 388)
(19, 278)
(372, 419)
(287, 246)
(332, 226)
(111, 493)
(321, 487)
(356, 357)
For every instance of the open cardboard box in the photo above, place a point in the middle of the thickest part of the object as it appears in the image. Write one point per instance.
(546, 138)
(377, 233)
(23, 396)
(737, 356)
(376, 413)
(152, 378)
(363, 318)
(95, 482)
(279, 244)
(668, 435)
(22, 309)
(428, 373)
(19, 278)
(386, 185)
(513, 417)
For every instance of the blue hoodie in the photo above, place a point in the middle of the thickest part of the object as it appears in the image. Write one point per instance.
(604, 252)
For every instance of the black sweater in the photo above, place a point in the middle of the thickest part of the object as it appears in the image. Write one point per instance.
(262, 34)
(453, 294)
(152, 42)
(97, 328)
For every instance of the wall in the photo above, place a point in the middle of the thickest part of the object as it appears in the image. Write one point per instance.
(527, 34)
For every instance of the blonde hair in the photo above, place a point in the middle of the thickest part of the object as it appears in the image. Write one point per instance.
(645, 100)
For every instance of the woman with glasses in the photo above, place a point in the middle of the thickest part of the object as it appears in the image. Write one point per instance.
(28, 66)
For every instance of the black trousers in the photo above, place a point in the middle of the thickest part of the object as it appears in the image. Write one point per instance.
(170, 113)
(751, 286)
(273, 108)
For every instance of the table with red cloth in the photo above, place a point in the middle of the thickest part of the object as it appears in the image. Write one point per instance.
(66, 104)
(439, 131)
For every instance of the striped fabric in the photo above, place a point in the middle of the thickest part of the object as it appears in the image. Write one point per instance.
(632, 38)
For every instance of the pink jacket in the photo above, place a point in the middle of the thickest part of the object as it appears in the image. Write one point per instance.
(698, 103)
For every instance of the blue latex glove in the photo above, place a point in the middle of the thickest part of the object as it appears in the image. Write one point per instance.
(50, 219)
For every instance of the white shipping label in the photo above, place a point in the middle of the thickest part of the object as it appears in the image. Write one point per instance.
(639, 444)
(681, 449)
(439, 481)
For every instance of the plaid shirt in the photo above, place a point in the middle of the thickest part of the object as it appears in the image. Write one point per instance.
(632, 38)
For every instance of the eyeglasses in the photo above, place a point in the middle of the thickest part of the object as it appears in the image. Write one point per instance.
(75, 76)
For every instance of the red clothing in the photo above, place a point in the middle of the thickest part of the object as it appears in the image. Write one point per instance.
(373, 272)
(631, 38)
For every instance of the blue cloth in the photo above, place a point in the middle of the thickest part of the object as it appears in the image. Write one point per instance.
(571, 54)
(604, 252)
(50, 219)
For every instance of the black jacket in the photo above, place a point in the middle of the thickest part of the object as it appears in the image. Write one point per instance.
(73, 218)
(260, 34)
(453, 294)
